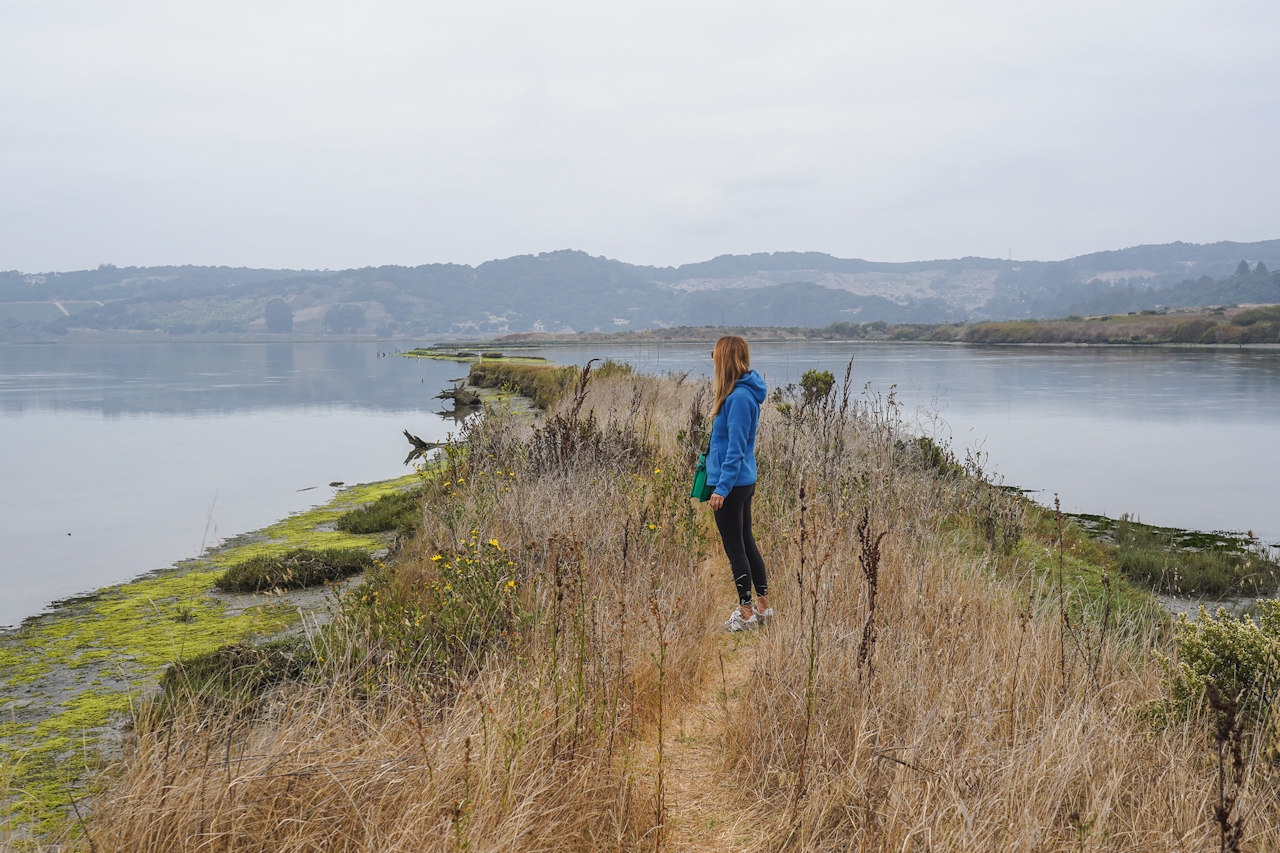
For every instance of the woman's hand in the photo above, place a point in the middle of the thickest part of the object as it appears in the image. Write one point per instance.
(717, 501)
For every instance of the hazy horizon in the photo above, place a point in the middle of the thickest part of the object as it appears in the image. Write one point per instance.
(330, 136)
(627, 261)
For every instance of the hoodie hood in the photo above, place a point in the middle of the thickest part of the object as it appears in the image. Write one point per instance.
(754, 384)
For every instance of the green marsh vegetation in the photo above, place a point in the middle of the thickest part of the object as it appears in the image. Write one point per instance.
(398, 512)
(452, 354)
(544, 384)
(541, 667)
(1138, 328)
(1184, 562)
(1226, 325)
(541, 383)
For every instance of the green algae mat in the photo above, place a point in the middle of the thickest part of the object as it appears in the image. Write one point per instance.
(69, 677)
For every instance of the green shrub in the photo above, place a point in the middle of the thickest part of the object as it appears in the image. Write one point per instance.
(817, 385)
(232, 675)
(1193, 331)
(398, 511)
(491, 354)
(842, 330)
(1019, 332)
(1240, 655)
(344, 318)
(1268, 313)
(931, 456)
(294, 569)
(609, 367)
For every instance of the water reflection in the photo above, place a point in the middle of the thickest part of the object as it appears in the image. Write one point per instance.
(125, 458)
(198, 379)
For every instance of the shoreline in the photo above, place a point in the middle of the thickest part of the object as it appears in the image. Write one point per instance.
(69, 675)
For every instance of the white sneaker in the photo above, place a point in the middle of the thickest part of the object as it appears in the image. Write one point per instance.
(736, 623)
(762, 617)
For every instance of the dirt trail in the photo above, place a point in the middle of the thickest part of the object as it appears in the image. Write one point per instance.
(705, 809)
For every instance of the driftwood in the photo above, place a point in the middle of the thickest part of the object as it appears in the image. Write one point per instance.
(461, 397)
(420, 447)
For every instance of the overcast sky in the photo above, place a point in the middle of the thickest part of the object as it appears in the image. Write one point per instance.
(316, 134)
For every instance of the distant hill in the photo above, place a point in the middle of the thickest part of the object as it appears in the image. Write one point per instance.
(572, 291)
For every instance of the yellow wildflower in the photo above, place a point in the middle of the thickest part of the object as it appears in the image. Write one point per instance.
(437, 558)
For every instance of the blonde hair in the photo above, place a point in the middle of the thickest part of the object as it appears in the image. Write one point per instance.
(732, 359)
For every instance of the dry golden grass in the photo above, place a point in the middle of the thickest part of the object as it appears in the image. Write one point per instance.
(609, 712)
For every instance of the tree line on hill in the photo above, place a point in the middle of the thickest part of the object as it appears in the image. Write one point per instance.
(571, 291)
(1222, 326)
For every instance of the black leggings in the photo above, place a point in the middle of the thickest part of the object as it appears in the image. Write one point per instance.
(734, 520)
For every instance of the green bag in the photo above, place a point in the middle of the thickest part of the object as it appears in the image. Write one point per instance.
(701, 489)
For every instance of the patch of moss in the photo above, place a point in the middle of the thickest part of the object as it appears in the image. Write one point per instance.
(67, 676)
(296, 569)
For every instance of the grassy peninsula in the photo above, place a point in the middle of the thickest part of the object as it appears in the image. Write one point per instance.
(541, 666)
(468, 357)
(1232, 325)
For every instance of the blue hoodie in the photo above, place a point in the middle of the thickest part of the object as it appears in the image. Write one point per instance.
(731, 459)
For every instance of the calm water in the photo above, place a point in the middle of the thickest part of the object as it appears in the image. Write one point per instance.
(146, 453)
(122, 459)
(1186, 438)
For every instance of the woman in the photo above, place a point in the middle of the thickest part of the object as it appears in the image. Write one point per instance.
(731, 471)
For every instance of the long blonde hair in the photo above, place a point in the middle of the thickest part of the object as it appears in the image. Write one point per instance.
(732, 359)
